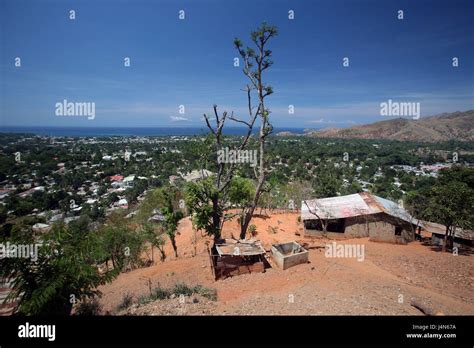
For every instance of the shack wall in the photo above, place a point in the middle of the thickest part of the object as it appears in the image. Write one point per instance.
(438, 240)
(379, 227)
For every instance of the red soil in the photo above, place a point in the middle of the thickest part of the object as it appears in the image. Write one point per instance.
(384, 283)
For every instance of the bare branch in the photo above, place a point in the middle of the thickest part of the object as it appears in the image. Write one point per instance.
(216, 113)
(239, 121)
(209, 125)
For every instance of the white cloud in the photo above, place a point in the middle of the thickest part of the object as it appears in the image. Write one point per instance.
(323, 121)
(178, 119)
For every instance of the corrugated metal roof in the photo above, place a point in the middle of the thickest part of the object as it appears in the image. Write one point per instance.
(435, 228)
(336, 207)
(240, 248)
(358, 204)
(395, 210)
(197, 175)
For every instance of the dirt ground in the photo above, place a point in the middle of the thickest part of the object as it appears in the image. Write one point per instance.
(384, 283)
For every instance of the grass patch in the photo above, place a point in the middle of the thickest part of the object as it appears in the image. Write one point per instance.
(89, 307)
(182, 289)
(210, 294)
(144, 299)
(178, 289)
(126, 302)
(272, 230)
(160, 293)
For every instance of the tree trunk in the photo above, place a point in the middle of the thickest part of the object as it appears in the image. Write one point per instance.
(163, 254)
(216, 218)
(445, 238)
(249, 213)
(175, 248)
(261, 176)
(263, 62)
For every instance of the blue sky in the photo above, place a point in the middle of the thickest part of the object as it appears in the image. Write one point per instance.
(190, 62)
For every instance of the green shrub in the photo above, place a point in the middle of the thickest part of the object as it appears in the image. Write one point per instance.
(253, 230)
(88, 308)
(127, 301)
(160, 294)
(272, 230)
(182, 289)
(208, 293)
(144, 299)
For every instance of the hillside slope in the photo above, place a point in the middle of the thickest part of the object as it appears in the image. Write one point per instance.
(448, 126)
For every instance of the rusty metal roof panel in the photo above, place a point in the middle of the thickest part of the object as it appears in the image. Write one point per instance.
(353, 205)
(433, 227)
(336, 207)
(393, 209)
(240, 249)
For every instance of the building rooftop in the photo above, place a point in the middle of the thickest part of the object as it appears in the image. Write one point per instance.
(435, 228)
(197, 175)
(358, 204)
(239, 248)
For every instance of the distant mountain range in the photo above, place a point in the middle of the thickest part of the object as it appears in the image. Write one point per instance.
(457, 125)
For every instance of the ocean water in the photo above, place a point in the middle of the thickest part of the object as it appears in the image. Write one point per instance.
(129, 131)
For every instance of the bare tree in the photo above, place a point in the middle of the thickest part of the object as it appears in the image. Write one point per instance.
(255, 63)
(324, 215)
(218, 195)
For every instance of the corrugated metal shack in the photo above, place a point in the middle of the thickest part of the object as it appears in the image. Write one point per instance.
(358, 215)
(462, 239)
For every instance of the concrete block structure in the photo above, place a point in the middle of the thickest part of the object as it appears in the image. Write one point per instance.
(290, 254)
